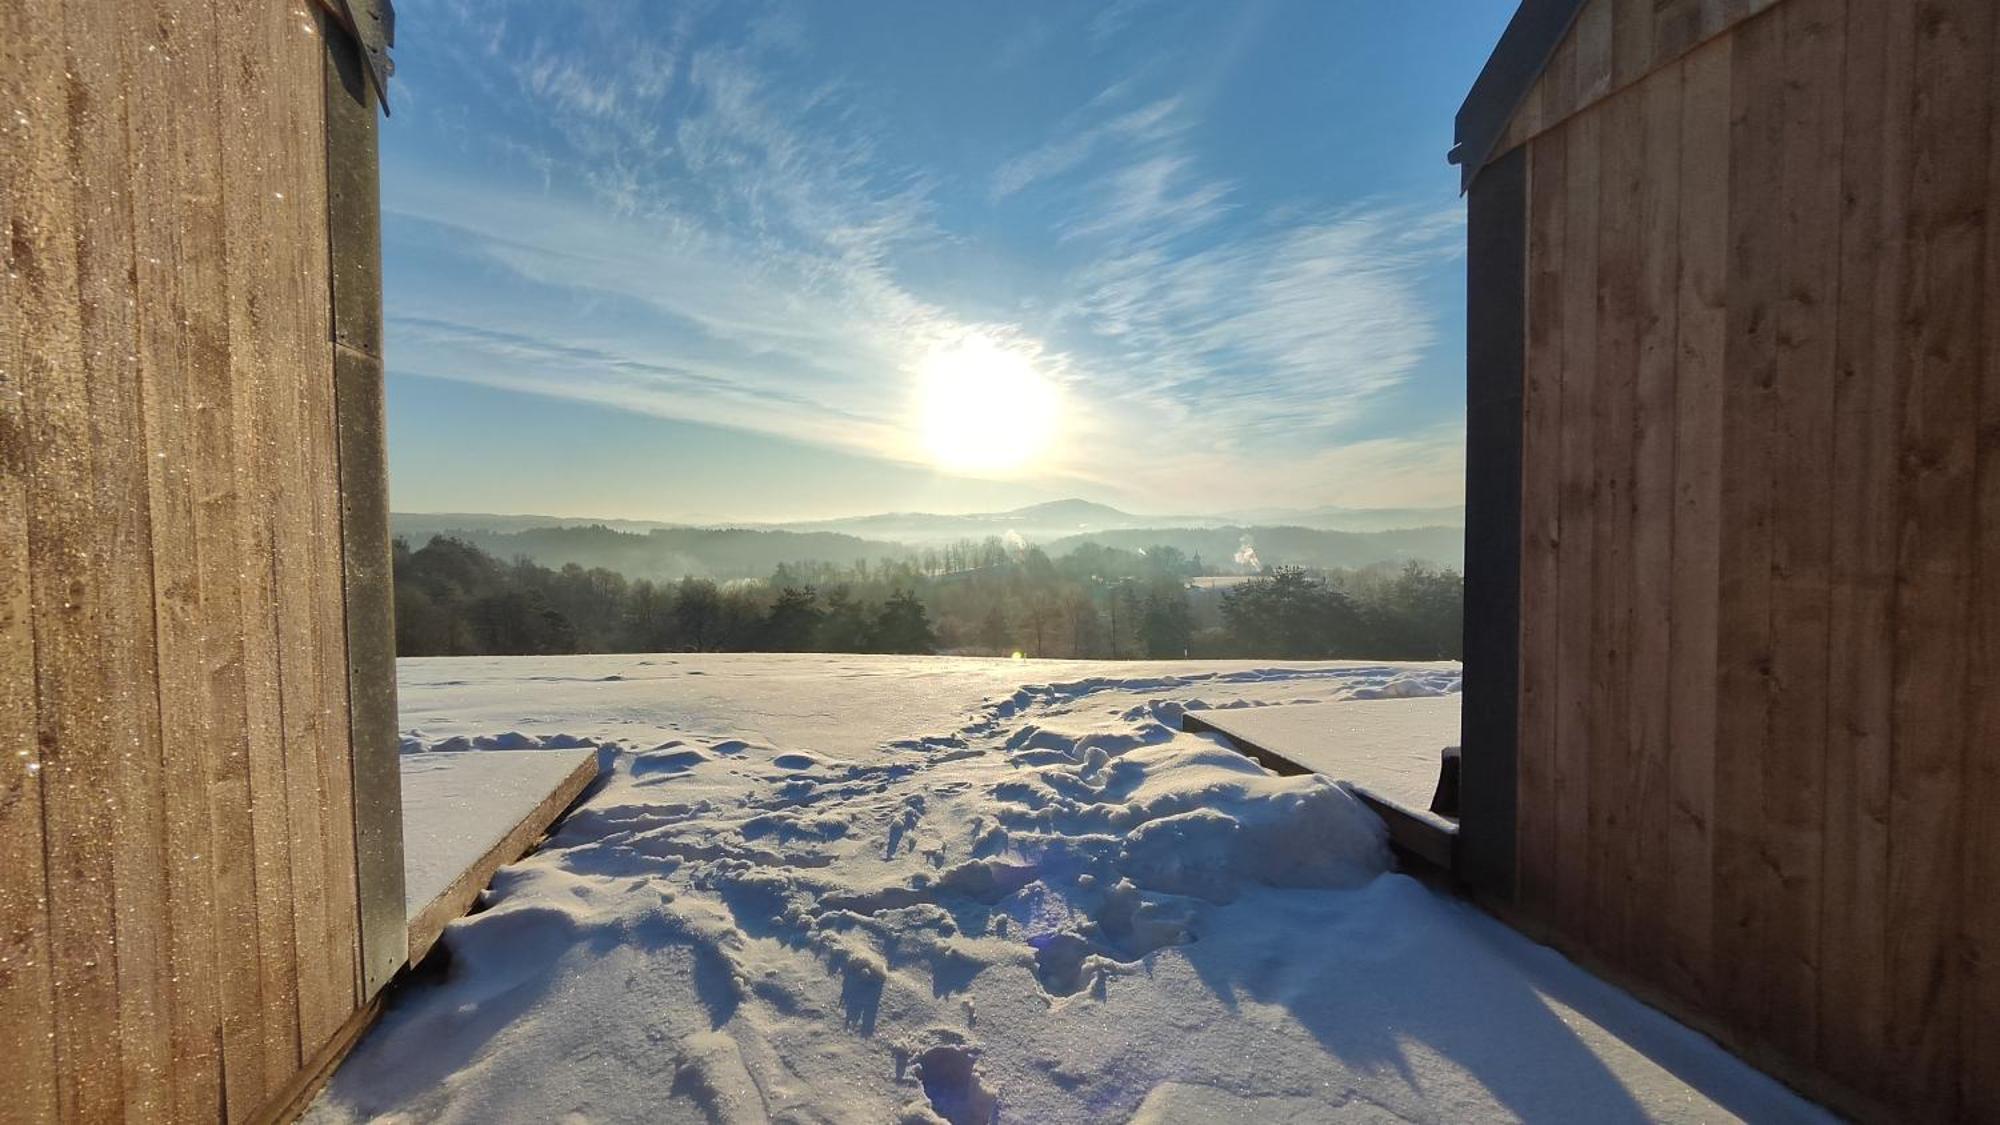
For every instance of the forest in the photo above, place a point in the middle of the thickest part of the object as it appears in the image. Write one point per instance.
(987, 598)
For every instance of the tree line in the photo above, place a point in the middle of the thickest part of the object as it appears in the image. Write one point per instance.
(982, 598)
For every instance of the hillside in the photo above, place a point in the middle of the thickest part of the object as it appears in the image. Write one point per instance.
(1056, 520)
(1288, 546)
(667, 554)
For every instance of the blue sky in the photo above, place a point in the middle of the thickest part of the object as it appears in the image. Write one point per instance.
(706, 260)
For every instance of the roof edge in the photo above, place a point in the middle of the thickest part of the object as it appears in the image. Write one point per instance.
(1523, 52)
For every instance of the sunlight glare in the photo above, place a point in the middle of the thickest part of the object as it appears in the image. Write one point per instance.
(983, 406)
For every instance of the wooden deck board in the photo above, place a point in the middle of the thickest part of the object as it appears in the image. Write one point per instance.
(468, 814)
(1385, 751)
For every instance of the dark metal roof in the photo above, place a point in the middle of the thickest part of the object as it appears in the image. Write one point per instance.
(373, 25)
(1532, 36)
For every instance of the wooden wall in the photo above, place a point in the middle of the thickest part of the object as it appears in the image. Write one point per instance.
(178, 920)
(1759, 729)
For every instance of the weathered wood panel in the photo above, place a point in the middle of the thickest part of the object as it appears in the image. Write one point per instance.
(27, 998)
(1576, 499)
(1613, 44)
(1861, 647)
(1944, 304)
(177, 811)
(1980, 1022)
(1541, 530)
(1701, 330)
(1761, 520)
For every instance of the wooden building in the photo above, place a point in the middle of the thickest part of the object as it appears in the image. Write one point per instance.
(1732, 691)
(200, 854)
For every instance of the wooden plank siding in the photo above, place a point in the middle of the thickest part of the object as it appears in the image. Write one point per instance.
(1758, 742)
(177, 813)
(1613, 44)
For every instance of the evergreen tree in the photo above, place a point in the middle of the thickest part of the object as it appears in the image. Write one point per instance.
(794, 621)
(903, 625)
(848, 624)
(698, 613)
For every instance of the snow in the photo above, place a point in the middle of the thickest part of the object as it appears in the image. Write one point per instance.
(456, 807)
(1390, 746)
(820, 888)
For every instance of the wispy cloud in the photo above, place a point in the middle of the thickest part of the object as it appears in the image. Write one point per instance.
(706, 236)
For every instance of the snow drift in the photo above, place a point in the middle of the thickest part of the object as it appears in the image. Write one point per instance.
(1059, 907)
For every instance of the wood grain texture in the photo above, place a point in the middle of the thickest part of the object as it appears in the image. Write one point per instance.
(1611, 45)
(1577, 502)
(1649, 638)
(119, 542)
(331, 785)
(1861, 646)
(68, 589)
(287, 36)
(160, 67)
(1621, 174)
(1979, 1085)
(176, 816)
(1746, 889)
(1701, 332)
(1801, 529)
(27, 998)
(1776, 277)
(1943, 310)
(257, 348)
(1541, 530)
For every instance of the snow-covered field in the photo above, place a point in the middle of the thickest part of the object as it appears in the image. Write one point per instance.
(843, 888)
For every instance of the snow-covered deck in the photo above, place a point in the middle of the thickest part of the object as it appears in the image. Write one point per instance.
(833, 888)
(467, 814)
(1387, 751)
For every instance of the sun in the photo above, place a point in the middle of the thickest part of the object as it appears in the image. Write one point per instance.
(983, 408)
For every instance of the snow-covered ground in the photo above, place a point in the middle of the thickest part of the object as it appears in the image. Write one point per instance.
(840, 888)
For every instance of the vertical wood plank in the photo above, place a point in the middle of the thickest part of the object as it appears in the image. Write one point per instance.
(1558, 84)
(1979, 1080)
(220, 568)
(1577, 498)
(1676, 28)
(1701, 328)
(335, 783)
(27, 999)
(1541, 465)
(251, 218)
(68, 592)
(320, 777)
(1949, 133)
(120, 527)
(1745, 888)
(1875, 171)
(1632, 40)
(1801, 538)
(1593, 52)
(294, 304)
(1622, 170)
(1648, 644)
(163, 64)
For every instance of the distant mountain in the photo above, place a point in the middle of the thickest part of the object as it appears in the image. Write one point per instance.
(1354, 519)
(1323, 537)
(671, 553)
(1035, 523)
(423, 525)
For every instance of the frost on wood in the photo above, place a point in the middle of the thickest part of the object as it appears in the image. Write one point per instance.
(867, 889)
